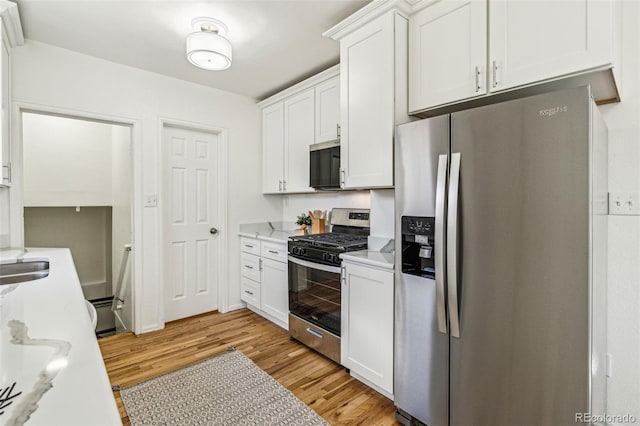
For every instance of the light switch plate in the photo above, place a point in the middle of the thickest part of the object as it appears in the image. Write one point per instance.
(151, 200)
(624, 203)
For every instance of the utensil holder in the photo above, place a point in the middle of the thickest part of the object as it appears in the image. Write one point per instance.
(317, 226)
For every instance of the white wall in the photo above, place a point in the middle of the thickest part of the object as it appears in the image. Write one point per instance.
(295, 204)
(383, 213)
(623, 121)
(121, 182)
(66, 162)
(85, 84)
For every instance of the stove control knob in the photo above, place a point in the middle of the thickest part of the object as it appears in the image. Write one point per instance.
(298, 251)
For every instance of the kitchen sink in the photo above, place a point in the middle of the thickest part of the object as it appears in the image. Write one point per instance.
(18, 271)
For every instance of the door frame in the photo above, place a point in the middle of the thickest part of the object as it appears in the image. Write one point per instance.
(16, 198)
(223, 233)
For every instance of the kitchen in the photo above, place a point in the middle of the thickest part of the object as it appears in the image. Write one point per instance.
(147, 101)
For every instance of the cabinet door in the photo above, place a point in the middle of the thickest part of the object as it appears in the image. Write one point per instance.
(272, 148)
(5, 159)
(532, 41)
(327, 110)
(299, 118)
(367, 324)
(274, 290)
(367, 64)
(447, 53)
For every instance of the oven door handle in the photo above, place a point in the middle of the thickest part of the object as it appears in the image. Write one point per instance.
(313, 265)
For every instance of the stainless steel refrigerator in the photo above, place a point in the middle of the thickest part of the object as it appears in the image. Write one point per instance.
(501, 247)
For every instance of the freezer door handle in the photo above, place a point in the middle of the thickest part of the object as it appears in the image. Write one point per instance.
(452, 245)
(439, 243)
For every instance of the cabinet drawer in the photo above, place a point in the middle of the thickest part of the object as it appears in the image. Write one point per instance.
(250, 245)
(250, 266)
(250, 291)
(274, 251)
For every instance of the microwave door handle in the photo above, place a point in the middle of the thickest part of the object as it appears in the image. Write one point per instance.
(439, 234)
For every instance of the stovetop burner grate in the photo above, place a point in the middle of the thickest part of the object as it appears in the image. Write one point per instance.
(332, 239)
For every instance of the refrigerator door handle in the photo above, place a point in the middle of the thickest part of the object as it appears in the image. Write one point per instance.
(452, 245)
(439, 243)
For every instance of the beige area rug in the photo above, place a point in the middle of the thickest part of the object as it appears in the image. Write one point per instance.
(228, 389)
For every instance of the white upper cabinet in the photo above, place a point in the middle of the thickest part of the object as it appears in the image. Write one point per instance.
(448, 53)
(299, 119)
(369, 57)
(290, 120)
(536, 40)
(272, 148)
(5, 150)
(563, 43)
(328, 110)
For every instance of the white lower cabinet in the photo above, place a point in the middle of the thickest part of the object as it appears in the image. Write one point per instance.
(367, 325)
(274, 291)
(263, 279)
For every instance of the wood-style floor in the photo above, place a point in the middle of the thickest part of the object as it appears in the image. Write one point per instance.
(319, 382)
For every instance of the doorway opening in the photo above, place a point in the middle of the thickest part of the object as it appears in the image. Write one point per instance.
(77, 193)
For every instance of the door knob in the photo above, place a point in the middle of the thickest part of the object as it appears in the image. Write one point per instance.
(213, 231)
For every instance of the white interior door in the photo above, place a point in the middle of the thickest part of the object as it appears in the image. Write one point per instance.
(191, 247)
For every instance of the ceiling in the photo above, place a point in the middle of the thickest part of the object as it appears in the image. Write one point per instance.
(276, 43)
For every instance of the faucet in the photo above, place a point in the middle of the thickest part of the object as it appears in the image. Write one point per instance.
(271, 226)
(20, 256)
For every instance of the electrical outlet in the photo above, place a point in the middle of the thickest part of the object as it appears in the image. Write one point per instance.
(151, 200)
(624, 203)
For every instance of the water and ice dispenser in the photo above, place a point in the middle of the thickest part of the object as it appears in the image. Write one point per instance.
(417, 246)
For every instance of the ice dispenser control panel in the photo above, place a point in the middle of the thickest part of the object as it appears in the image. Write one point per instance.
(417, 246)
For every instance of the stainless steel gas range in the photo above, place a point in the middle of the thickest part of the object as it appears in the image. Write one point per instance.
(314, 280)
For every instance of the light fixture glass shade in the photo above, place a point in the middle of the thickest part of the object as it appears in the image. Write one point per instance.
(209, 51)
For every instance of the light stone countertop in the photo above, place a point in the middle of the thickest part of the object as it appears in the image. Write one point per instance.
(370, 258)
(377, 255)
(48, 348)
(262, 231)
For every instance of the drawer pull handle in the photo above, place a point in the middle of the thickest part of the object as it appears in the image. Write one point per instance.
(250, 293)
(273, 252)
(248, 245)
(248, 267)
(314, 332)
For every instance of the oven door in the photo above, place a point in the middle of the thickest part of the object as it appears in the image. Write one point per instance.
(314, 293)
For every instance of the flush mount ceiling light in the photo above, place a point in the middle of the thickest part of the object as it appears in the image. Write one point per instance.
(206, 46)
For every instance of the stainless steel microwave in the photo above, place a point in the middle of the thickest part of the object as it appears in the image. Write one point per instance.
(324, 165)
